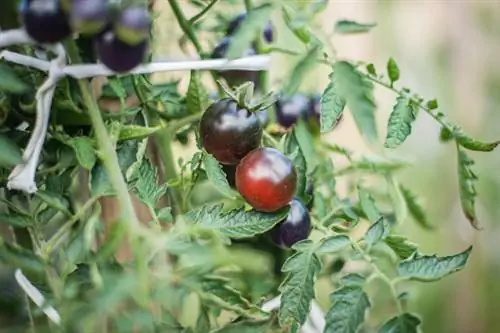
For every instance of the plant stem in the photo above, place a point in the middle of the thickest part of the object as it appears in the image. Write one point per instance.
(205, 10)
(186, 26)
(380, 274)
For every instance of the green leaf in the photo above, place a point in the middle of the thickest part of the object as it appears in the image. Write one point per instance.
(54, 200)
(467, 179)
(249, 30)
(293, 151)
(217, 176)
(11, 154)
(236, 223)
(145, 184)
(430, 267)
(432, 104)
(415, 209)
(401, 245)
(16, 219)
(136, 132)
(397, 198)
(333, 244)
(18, 257)
(332, 106)
(374, 164)
(405, 323)
(352, 27)
(84, 150)
(392, 70)
(298, 26)
(197, 97)
(357, 91)
(306, 144)
(377, 232)
(472, 144)
(10, 82)
(400, 122)
(349, 305)
(370, 68)
(297, 290)
(165, 215)
(368, 205)
(245, 326)
(301, 69)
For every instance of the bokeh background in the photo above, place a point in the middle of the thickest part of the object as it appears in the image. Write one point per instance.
(448, 50)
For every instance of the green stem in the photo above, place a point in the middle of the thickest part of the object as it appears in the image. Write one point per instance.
(186, 27)
(205, 10)
(380, 274)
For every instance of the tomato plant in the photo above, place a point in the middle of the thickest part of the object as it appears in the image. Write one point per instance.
(111, 228)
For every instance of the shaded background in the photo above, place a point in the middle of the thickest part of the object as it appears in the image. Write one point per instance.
(446, 50)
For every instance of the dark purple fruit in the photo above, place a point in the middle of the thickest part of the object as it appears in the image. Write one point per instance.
(294, 228)
(309, 191)
(133, 25)
(236, 22)
(117, 55)
(289, 110)
(89, 17)
(234, 77)
(229, 132)
(45, 21)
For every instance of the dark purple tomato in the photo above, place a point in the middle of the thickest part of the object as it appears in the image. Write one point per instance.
(289, 110)
(309, 191)
(89, 16)
(133, 25)
(294, 228)
(267, 179)
(236, 22)
(230, 171)
(234, 77)
(118, 56)
(45, 21)
(229, 132)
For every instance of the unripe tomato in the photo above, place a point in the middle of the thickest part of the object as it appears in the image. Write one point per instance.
(267, 179)
(294, 228)
(229, 132)
(45, 20)
(89, 16)
(133, 25)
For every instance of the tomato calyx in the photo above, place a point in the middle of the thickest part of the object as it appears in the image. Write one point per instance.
(244, 97)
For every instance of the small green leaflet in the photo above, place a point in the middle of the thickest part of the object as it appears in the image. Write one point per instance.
(84, 150)
(467, 179)
(377, 232)
(415, 209)
(16, 219)
(292, 150)
(217, 176)
(352, 27)
(299, 27)
(404, 323)
(136, 132)
(400, 122)
(333, 244)
(245, 326)
(10, 82)
(430, 267)
(357, 91)
(297, 290)
(397, 198)
(349, 305)
(401, 245)
(197, 97)
(332, 106)
(145, 185)
(16, 256)
(301, 69)
(306, 144)
(392, 70)
(11, 154)
(368, 205)
(236, 223)
(471, 144)
(249, 29)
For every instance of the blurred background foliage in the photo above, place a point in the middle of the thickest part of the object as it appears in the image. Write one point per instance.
(446, 50)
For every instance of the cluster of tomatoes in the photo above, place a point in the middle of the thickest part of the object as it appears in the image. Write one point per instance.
(120, 34)
(265, 177)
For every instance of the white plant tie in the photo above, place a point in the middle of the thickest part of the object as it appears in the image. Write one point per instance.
(22, 176)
